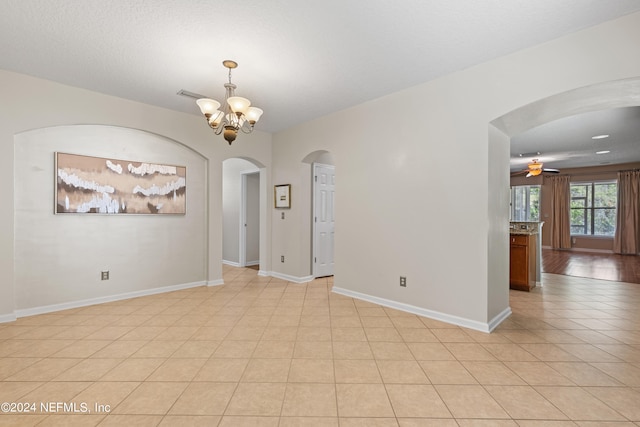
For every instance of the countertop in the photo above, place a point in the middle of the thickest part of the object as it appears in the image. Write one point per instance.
(523, 232)
(525, 227)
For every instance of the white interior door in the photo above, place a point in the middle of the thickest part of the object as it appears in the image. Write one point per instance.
(324, 219)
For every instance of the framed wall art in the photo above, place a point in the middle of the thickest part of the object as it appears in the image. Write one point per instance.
(86, 184)
(282, 196)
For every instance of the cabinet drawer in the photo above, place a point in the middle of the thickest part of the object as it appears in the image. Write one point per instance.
(519, 239)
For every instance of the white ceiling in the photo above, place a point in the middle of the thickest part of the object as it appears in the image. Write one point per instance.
(568, 143)
(297, 59)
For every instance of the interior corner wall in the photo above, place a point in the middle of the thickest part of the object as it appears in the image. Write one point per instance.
(415, 193)
(61, 106)
(292, 227)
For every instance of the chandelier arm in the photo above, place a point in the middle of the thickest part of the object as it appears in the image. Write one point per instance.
(246, 127)
(217, 129)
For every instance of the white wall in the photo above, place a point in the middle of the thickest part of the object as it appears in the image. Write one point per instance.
(418, 177)
(60, 105)
(231, 194)
(498, 218)
(58, 258)
(252, 211)
(292, 235)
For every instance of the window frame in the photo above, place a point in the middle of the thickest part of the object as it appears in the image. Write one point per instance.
(589, 209)
(512, 202)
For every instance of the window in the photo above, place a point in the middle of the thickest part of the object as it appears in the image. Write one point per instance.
(525, 203)
(593, 208)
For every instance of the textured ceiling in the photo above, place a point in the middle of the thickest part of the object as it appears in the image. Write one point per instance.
(297, 59)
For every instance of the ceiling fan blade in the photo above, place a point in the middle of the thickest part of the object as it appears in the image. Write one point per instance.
(518, 173)
(551, 170)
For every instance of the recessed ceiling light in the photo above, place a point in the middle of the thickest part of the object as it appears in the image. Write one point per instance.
(600, 137)
(603, 152)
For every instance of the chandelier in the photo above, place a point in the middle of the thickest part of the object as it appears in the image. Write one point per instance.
(236, 113)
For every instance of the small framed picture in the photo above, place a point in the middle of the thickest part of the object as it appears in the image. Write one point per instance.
(282, 196)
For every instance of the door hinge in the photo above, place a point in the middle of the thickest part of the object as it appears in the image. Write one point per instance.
(315, 259)
(315, 178)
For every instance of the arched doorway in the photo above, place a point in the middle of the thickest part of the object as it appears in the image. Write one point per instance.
(607, 95)
(243, 212)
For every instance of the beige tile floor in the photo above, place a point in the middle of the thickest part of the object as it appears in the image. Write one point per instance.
(263, 352)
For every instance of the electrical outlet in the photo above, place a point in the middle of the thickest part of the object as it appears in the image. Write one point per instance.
(403, 281)
(104, 275)
(281, 258)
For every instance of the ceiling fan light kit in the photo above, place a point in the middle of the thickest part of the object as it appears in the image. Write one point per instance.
(236, 113)
(535, 168)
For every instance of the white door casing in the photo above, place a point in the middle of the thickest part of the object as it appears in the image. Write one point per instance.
(323, 219)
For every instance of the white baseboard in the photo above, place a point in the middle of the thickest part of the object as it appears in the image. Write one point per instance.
(289, 278)
(101, 300)
(447, 318)
(266, 273)
(237, 264)
(493, 323)
(216, 282)
(8, 318)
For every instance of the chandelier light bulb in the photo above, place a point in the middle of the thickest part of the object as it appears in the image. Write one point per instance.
(208, 106)
(238, 104)
(253, 115)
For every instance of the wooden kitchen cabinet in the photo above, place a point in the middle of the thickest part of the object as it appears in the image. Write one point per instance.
(522, 262)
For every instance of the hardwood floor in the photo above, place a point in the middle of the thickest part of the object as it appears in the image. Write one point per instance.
(621, 268)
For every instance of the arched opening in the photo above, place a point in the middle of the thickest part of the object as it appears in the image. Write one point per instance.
(602, 96)
(243, 212)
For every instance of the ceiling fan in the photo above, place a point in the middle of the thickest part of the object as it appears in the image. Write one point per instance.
(534, 168)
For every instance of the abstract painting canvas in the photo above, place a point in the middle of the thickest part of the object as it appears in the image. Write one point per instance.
(87, 184)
